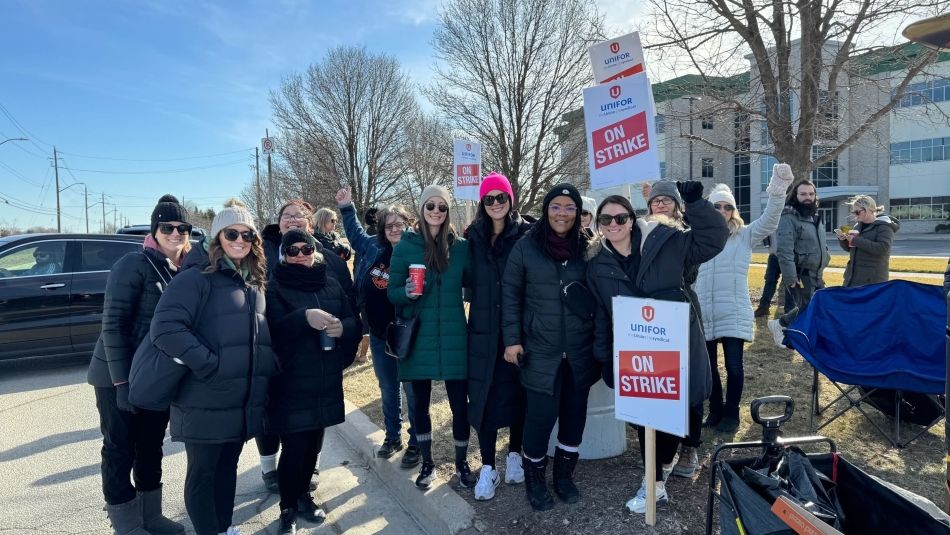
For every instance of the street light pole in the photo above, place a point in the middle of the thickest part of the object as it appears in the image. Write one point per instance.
(59, 227)
(85, 200)
(691, 99)
(13, 139)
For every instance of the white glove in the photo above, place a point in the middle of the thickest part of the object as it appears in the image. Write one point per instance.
(782, 178)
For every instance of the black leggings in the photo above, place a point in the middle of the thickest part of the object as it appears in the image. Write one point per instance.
(488, 434)
(267, 444)
(457, 391)
(210, 482)
(735, 376)
(567, 406)
(296, 465)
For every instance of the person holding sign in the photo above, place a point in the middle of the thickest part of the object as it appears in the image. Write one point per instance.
(723, 291)
(547, 322)
(437, 257)
(645, 258)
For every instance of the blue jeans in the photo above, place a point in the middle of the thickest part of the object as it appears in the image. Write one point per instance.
(387, 375)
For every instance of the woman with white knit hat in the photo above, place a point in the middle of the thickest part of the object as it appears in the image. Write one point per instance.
(723, 291)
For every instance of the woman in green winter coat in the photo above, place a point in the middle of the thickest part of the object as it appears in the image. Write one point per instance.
(439, 352)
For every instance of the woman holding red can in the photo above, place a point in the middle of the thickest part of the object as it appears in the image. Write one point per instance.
(426, 272)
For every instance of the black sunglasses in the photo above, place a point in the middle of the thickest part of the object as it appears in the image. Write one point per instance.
(430, 206)
(605, 219)
(293, 250)
(724, 206)
(167, 228)
(231, 234)
(501, 198)
(585, 212)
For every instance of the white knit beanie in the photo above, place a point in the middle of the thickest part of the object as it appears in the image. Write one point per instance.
(434, 190)
(722, 193)
(234, 213)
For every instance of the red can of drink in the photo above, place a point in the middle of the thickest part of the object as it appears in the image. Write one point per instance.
(417, 272)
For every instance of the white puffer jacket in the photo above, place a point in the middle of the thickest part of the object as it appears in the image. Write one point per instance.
(723, 282)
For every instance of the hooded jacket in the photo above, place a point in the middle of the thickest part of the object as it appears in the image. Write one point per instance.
(869, 259)
(800, 246)
(665, 247)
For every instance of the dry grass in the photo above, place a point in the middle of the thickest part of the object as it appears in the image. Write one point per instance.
(904, 264)
(607, 484)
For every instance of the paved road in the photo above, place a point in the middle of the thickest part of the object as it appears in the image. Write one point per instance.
(913, 247)
(49, 460)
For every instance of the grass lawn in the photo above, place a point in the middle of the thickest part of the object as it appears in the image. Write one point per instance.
(902, 264)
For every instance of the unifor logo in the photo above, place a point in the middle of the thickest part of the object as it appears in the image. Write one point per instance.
(648, 313)
(615, 91)
(614, 48)
(468, 146)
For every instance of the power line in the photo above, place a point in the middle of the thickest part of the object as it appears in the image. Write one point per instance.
(157, 159)
(162, 171)
(16, 174)
(30, 135)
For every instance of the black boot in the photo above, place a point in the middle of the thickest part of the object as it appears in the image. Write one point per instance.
(535, 486)
(309, 510)
(730, 421)
(564, 463)
(288, 522)
(714, 416)
(152, 518)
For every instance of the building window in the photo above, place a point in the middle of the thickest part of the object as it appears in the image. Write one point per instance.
(742, 172)
(708, 168)
(921, 150)
(765, 170)
(707, 123)
(825, 175)
(662, 170)
(660, 122)
(921, 208)
(924, 93)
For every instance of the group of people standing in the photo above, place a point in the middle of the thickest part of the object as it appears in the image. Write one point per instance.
(537, 336)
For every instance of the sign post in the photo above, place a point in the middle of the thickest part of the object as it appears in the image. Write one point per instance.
(651, 374)
(468, 169)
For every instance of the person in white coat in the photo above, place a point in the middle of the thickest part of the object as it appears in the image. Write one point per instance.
(723, 291)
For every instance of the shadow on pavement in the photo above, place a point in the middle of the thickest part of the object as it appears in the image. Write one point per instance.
(42, 445)
(68, 475)
(27, 375)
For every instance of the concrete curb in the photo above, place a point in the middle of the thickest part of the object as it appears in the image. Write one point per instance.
(440, 511)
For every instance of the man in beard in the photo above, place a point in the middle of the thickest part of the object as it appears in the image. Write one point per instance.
(801, 251)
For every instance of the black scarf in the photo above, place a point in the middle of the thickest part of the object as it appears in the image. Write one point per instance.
(559, 248)
(300, 277)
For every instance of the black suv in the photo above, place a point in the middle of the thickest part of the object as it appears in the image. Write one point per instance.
(51, 291)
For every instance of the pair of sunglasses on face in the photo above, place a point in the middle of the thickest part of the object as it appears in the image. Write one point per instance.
(231, 234)
(501, 198)
(724, 206)
(605, 219)
(293, 250)
(167, 228)
(431, 206)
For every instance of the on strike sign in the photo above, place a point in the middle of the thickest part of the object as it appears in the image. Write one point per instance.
(619, 118)
(651, 363)
(616, 58)
(468, 163)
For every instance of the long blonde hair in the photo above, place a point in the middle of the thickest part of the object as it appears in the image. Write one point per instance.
(254, 260)
(324, 215)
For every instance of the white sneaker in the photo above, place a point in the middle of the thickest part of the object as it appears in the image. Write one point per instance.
(514, 471)
(487, 483)
(778, 332)
(638, 504)
(233, 531)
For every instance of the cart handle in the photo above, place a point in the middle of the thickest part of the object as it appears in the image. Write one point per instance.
(772, 422)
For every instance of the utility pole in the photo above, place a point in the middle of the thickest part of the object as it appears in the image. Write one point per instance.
(86, 201)
(103, 213)
(258, 208)
(691, 100)
(270, 180)
(59, 226)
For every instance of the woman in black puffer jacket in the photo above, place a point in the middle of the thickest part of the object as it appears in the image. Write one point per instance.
(132, 437)
(304, 308)
(211, 319)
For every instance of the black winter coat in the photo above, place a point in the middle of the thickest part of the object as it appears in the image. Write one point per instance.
(667, 248)
(534, 316)
(486, 357)
(214, 324)
(307, 393)
(332, 242)
(870, 258)
(133, 289)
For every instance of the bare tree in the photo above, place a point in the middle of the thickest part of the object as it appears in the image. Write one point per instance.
(428, 156)
(804, 54)
(348, 111)
(509, 70)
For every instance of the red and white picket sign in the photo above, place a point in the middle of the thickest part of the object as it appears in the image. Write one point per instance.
(468, 164)
(616, 58)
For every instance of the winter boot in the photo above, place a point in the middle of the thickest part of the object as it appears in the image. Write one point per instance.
(564, 463)
(288, 522)
(126, 518)
(537, 490)
(152, 518)
(730, 421)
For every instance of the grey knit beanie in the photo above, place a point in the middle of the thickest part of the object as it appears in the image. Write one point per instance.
(234, 213)
(434, 190)
(665, 188)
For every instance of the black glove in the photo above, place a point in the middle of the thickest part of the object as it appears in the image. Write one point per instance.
(122, 398)
(690, 190)
(607, 373)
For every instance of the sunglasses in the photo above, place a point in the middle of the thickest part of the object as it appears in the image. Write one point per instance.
(167, 228)
(501, 198)
(41, 255)
(430, 206)
(605, 219)
(723, 206)
(231, 234)
(585, 213)
(293, 250)
(857, 212)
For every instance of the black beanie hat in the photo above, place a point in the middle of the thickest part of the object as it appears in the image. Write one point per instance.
(168, 209)
(296, 235)
(563, 189)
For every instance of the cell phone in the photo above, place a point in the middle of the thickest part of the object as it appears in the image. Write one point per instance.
(521, 359)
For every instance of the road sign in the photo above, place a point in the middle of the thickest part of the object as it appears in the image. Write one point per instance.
(267, 145)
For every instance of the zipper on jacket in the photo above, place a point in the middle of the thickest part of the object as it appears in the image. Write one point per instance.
(560, 276)
(251, 357)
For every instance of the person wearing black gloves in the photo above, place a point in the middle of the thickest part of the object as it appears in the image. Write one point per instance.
(550, 339)
(310, 321)
(645, 258)
(132, 438)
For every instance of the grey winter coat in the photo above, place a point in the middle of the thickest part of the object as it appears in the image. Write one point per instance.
(664, 249)
(800, 246)
(870, 257)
